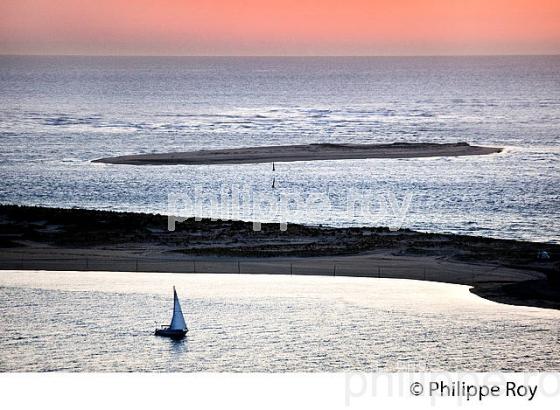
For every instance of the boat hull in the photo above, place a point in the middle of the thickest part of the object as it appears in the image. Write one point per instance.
(172, 334)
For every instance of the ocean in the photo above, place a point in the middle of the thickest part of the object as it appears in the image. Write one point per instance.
(59, 113)
(104, 321)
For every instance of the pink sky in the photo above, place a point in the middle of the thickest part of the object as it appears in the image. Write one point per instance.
(280, 27)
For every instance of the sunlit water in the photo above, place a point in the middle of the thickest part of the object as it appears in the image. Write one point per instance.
(97, 321)
(57, 114)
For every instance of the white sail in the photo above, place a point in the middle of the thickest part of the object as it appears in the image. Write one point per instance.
(177, 321)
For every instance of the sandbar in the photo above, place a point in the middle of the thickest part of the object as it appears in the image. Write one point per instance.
(307, 152)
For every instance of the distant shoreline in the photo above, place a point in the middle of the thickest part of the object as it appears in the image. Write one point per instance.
(506, 271)
(307, 152)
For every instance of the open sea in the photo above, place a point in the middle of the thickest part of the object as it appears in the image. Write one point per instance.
(104, 321)
(59, 113)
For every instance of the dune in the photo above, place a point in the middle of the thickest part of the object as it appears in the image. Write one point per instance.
(505, 271)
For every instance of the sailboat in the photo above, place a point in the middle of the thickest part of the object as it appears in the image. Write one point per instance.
(177, 329)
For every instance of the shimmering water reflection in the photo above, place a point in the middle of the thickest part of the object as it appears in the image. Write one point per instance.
(104, 321)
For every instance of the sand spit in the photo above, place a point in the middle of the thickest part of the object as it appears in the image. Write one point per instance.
(309, 152)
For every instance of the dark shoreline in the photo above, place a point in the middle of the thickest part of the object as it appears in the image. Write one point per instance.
(307, 152)
(505, 271)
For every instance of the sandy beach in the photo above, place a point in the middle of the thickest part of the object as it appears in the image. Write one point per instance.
(73, 239)
(308, 152)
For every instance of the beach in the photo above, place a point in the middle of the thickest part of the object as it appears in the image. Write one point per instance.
(304, 152)
(86, 240)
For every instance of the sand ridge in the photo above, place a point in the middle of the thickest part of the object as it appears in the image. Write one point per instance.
(307, 152)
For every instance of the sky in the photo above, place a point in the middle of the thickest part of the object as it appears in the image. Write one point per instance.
(280, 27)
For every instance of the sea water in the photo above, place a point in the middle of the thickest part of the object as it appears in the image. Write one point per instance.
(103, 321)
(59, 113)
